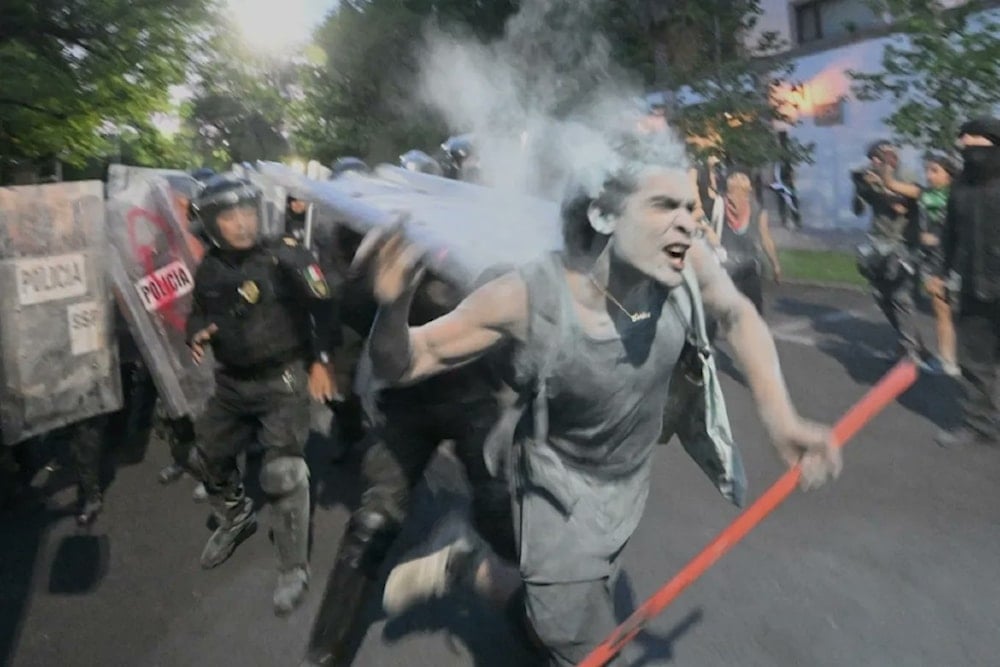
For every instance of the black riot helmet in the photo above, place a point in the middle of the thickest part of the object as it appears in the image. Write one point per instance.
(183, 184)
(459, 155)
(421, 162)
(346, 164)
(202, 174)
(222, 193)
(459, 148)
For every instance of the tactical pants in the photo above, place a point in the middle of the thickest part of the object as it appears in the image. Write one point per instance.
(86, 447)
(274, 412)
(407, 435)
(405, 444)
(978, 330)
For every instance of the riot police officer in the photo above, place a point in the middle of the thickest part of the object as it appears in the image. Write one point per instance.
(263, 305)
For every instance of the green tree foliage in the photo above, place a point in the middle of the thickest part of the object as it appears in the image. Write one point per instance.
(730, 100)
(241, 101)
(71, 68)
(941, 70)
(358, 99)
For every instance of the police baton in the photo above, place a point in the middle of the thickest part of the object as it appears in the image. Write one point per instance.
(894, 383)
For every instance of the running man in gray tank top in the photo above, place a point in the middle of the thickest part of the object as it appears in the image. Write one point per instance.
(616, 295)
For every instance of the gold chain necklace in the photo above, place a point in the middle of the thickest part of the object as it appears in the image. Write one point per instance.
(635, 317)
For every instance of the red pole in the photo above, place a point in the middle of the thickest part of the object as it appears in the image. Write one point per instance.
(894, 383)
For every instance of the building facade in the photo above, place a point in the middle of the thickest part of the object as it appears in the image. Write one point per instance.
(825, 40)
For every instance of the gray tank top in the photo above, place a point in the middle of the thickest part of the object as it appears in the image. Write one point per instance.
(581, 491)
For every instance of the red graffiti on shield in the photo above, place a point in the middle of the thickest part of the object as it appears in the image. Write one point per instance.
(145, 253)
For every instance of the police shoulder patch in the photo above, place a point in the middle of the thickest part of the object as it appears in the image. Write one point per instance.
(316, 281)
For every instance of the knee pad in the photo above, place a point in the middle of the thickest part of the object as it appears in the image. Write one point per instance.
(283, 475)
(370, 535)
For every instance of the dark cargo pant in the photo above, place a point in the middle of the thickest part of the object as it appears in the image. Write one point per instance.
(978, 330)
(274, 410)
(405, 443)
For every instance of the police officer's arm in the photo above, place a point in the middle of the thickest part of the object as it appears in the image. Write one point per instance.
(196, 320)
(795, 439)
(199, 328)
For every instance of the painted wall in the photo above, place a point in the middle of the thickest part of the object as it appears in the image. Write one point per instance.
(775, 17)
(824, 187)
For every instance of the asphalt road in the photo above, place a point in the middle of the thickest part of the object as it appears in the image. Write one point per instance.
(895, 564)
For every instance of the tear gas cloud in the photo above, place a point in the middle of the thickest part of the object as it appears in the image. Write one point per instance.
(543, 102)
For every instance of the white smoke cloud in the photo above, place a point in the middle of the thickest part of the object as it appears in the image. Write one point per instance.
(543, 100)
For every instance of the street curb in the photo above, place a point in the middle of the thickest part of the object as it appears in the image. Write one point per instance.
(826, 285)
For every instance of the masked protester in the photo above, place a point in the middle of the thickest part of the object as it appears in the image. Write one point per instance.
(597, 332)
(970, 243)
(263, 306)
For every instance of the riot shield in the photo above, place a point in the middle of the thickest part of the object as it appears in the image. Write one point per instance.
(152, 270)
(463, 228)
(58, 352)
(317, 171)
(121, 177)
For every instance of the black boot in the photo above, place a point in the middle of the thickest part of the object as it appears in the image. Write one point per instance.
(335, 632)
(237, 522)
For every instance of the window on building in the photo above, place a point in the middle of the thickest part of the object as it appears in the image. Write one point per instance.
(807, 23)
(827, 19)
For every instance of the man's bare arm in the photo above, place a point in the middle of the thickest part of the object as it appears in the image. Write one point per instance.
(749, 336)
(402, 354)
(797, 441)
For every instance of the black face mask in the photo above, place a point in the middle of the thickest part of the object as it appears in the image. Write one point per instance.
(981, 161)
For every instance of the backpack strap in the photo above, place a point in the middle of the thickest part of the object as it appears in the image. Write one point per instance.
(696, 408)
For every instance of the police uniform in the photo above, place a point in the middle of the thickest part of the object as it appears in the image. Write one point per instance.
(271, 307)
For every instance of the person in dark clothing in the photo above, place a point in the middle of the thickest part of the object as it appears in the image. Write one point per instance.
(344, 412)
(408, 424)
(889, 260)
(87, 440)
(971, 251)
(264, 308)
(745, 238)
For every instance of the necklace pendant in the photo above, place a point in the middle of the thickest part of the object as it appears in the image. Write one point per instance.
(638, 317)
